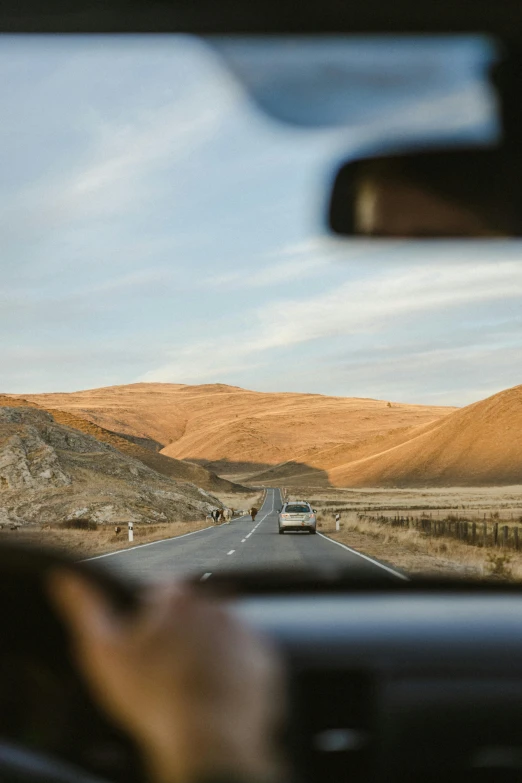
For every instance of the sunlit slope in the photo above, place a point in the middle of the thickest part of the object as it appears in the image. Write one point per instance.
(303, 469)
(477, 445)
(233, 430)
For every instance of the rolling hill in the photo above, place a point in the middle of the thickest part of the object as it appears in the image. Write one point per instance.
(479, 445)
(240, 433)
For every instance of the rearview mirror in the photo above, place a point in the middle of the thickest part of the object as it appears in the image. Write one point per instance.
(448, 193)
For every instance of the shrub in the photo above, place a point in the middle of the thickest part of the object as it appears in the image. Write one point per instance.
(499, 565)
(79, 524)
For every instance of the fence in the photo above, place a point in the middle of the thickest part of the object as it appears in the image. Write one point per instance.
(472, 532)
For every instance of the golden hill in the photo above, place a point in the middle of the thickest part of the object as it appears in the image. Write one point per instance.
(235, 431)
(477, 445)
(173, 468)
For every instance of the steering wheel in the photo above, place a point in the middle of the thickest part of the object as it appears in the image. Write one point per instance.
(42, 694)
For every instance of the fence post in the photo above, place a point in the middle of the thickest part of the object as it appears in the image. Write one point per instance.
(484, 534)
(505, 534)
(515, 533)
(473, 533)
(495, 534)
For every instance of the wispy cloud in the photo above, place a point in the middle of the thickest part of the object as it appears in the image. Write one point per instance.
(296, 261)
(361, 306)
(366, 305)
(120, 167)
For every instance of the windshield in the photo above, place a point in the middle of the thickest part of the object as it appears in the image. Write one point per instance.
(185, 347)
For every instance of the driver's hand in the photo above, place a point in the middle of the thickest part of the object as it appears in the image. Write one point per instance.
(197, 690)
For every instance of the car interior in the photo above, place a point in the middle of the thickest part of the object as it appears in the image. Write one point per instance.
(388, 680)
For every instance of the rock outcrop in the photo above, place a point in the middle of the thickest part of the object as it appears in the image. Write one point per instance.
(51, 473)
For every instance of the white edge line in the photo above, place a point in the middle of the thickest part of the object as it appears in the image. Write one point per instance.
(365, 557)
(205, 576)
(140, 546)
(160, 541)
(231, 552)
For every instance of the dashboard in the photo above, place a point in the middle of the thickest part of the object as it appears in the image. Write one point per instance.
(386, 682)
(400, 686)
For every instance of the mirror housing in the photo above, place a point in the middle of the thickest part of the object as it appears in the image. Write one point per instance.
(457, 193)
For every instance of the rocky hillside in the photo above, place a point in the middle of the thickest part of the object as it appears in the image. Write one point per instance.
(134, 447)
(51, 473)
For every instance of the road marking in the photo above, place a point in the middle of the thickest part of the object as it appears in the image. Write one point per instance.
(243, 540)
(265, 516)
(174, 538)
(205, 576)
(231, 552)
(151, 543)
(365, 557)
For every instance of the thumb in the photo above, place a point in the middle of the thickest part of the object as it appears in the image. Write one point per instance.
(82, 605)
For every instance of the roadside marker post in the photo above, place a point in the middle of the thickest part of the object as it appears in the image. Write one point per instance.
(131, 531)
(337, 522)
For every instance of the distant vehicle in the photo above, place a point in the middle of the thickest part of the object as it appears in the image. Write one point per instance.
(297, 515)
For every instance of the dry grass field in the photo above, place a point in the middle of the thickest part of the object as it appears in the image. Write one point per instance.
(375, 522)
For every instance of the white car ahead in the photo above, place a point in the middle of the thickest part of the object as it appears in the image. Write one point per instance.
(297, 515)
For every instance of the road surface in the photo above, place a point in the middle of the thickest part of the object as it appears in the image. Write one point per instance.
(243, 545)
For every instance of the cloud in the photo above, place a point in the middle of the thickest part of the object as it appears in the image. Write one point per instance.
(120, 163)
(268, 275)
(364, 306)
(296, 261)
(367, 305)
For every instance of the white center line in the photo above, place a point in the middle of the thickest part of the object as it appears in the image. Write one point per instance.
(231, 552)
(243, 540)
(205, 576)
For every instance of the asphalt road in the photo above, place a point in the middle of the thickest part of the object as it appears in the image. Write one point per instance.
(242, 544)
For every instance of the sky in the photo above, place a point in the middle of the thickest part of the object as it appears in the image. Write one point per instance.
(156, 225)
